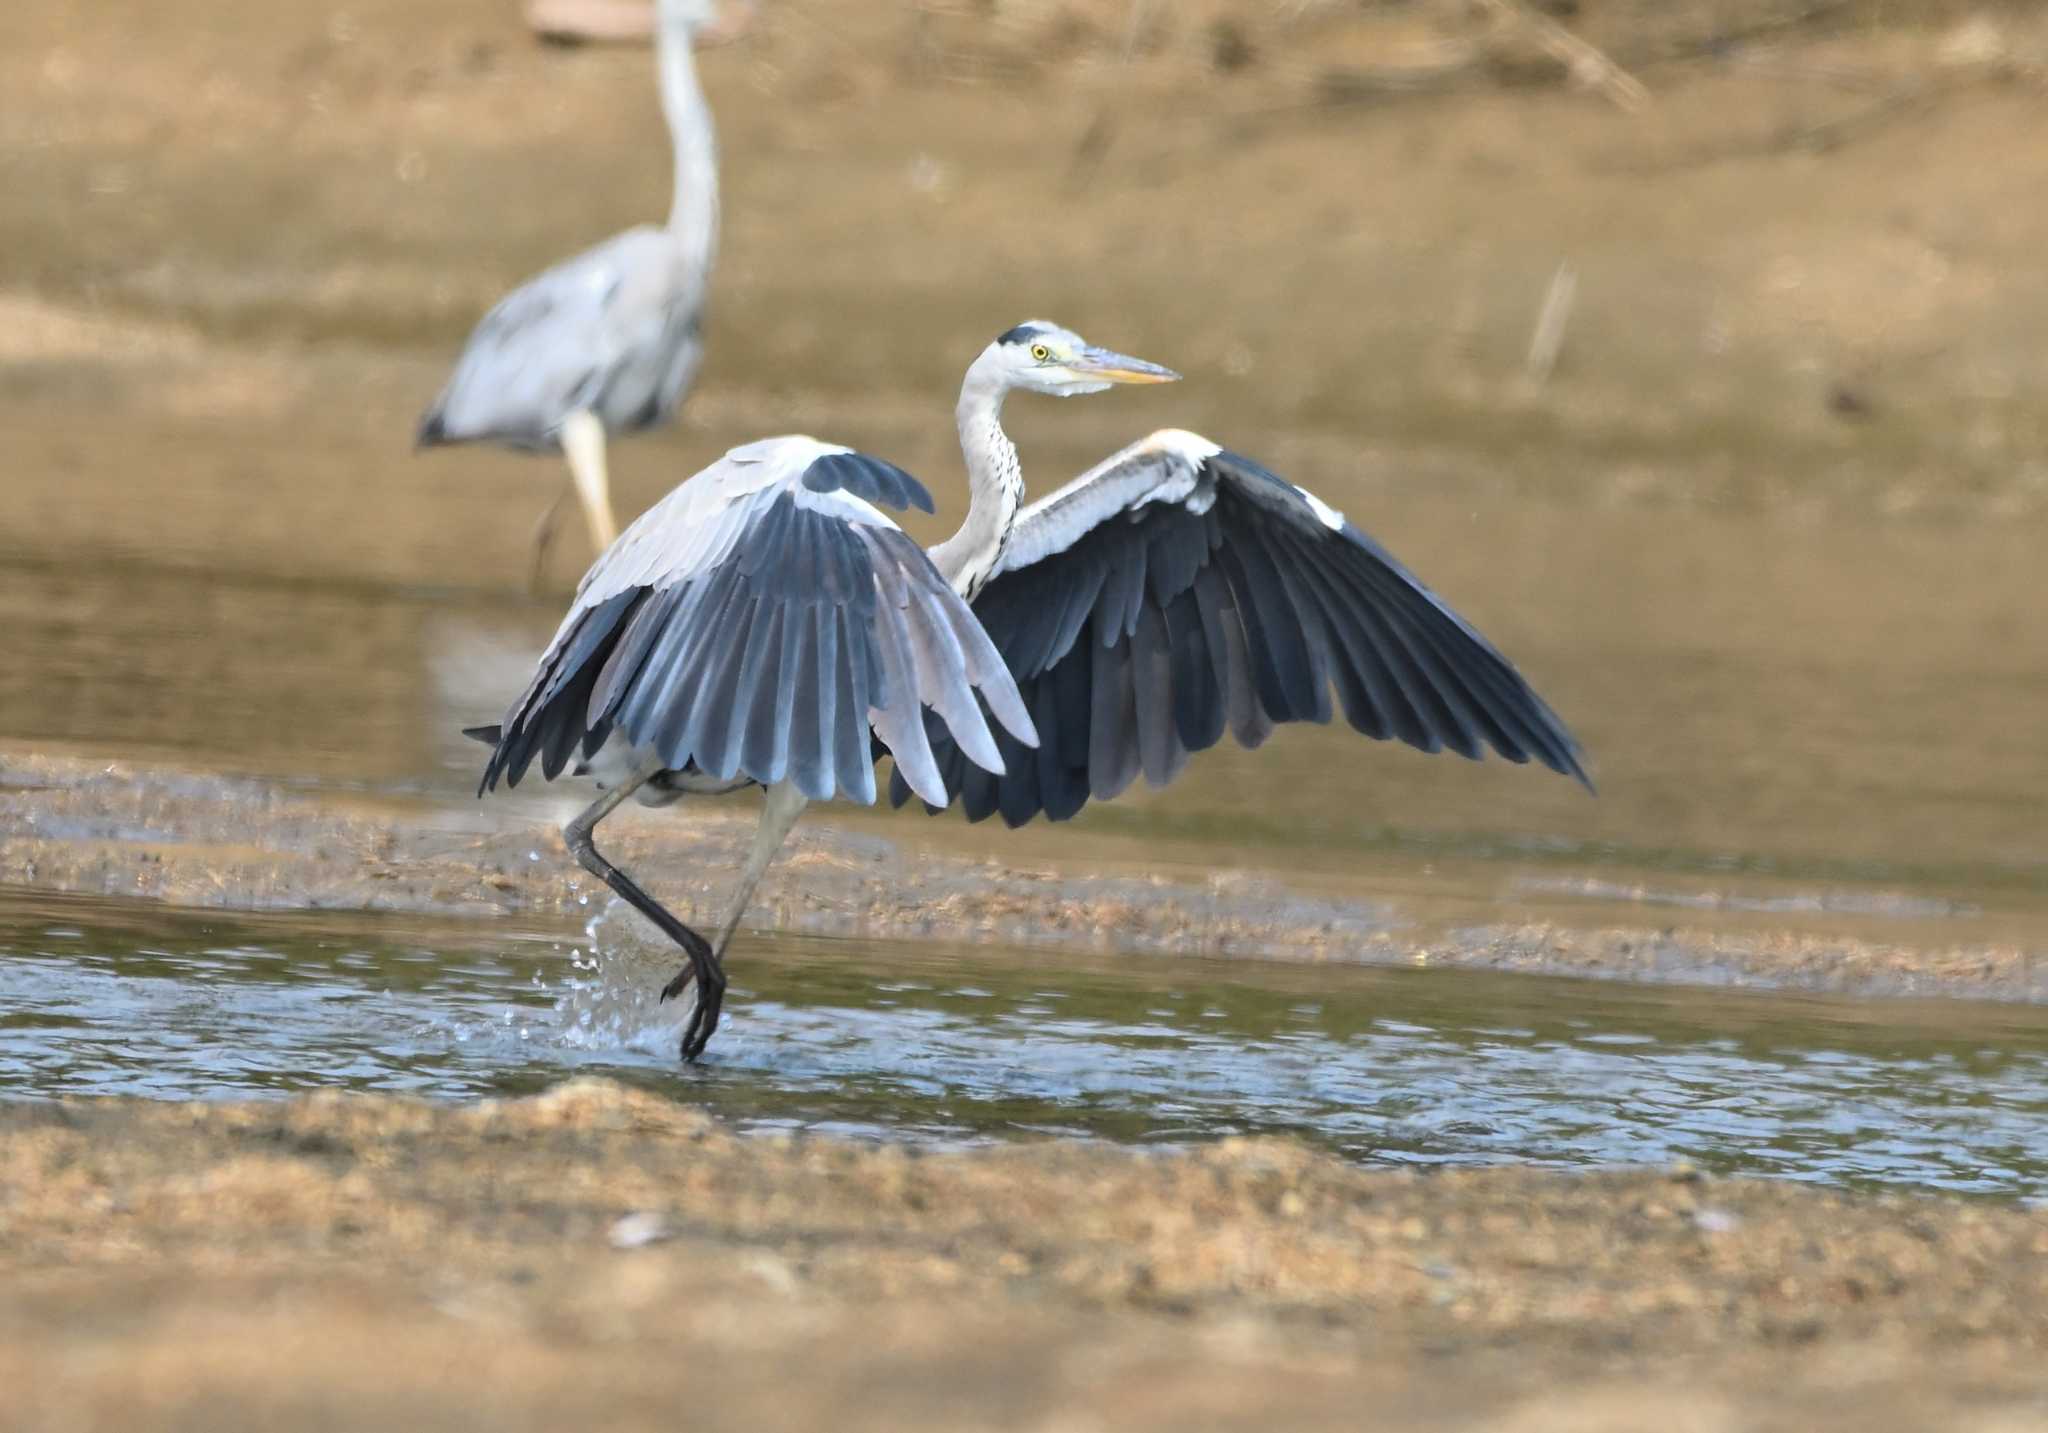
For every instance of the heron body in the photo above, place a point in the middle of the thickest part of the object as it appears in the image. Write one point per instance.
(613, 332)
(765, 623)
(768, 624)
(609, 341)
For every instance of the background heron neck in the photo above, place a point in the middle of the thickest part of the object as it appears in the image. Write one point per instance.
(693, 212)
(995, 487)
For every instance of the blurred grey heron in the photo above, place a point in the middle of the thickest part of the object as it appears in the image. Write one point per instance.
(608, 341)
(766, 624)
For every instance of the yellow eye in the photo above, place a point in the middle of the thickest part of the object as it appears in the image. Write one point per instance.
(1040, 353)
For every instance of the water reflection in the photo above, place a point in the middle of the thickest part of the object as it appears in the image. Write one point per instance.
(949, 1047)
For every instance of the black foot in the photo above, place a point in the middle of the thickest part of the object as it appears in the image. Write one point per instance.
(710, 1001)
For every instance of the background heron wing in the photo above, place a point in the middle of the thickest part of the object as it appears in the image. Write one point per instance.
(612, 330)
(762, 621)
(1178, 591)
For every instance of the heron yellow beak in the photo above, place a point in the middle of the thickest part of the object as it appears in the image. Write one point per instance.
(1109, 367)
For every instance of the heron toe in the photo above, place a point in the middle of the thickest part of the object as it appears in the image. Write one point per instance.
(678, 985)
(704, 1017)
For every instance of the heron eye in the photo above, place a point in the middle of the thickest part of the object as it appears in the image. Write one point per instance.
(1040, 353)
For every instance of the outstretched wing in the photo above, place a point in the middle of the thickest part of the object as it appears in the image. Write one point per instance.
(613, 330)
(1179, 590)
(761, 620)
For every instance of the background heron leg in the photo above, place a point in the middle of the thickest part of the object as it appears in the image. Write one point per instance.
(583, 446)
(779, 811)
(703, 966)
(544, 538)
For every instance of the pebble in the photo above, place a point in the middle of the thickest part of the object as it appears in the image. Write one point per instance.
(639, 1229)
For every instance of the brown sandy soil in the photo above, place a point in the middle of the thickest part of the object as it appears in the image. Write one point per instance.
(599, 1257)
(207, 841)
(1808, 270)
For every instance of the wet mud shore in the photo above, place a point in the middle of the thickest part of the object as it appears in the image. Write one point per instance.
(601, 1257)
(206, 841)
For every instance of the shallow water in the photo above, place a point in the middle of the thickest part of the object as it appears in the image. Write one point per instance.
(950, 1047)
(1848, 704)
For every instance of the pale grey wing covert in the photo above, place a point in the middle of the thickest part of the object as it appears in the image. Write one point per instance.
(613, 330)
(1180, 590)
(761, 622)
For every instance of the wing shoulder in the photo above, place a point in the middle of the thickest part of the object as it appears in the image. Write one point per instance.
(715, 511)
(573, 297)
(1166, 467)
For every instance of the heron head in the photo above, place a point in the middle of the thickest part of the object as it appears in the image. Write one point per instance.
(1045, 358)
(696, 14)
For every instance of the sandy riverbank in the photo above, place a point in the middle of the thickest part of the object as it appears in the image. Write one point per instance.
(207, 841)
(598, 1257)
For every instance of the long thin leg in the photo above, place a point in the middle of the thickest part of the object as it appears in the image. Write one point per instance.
(704, 966)
(544, 539)
(784, 803)
(583, 445)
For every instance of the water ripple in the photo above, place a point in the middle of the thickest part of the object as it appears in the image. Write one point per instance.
(1419, 1068)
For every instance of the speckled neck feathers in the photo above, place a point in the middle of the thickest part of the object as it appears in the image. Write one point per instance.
(995, 483)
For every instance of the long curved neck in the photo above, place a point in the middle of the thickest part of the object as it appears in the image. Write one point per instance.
(693, 212)
(995, 484)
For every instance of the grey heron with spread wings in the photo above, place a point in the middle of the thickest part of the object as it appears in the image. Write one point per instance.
(767, 624)
(608, 341)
